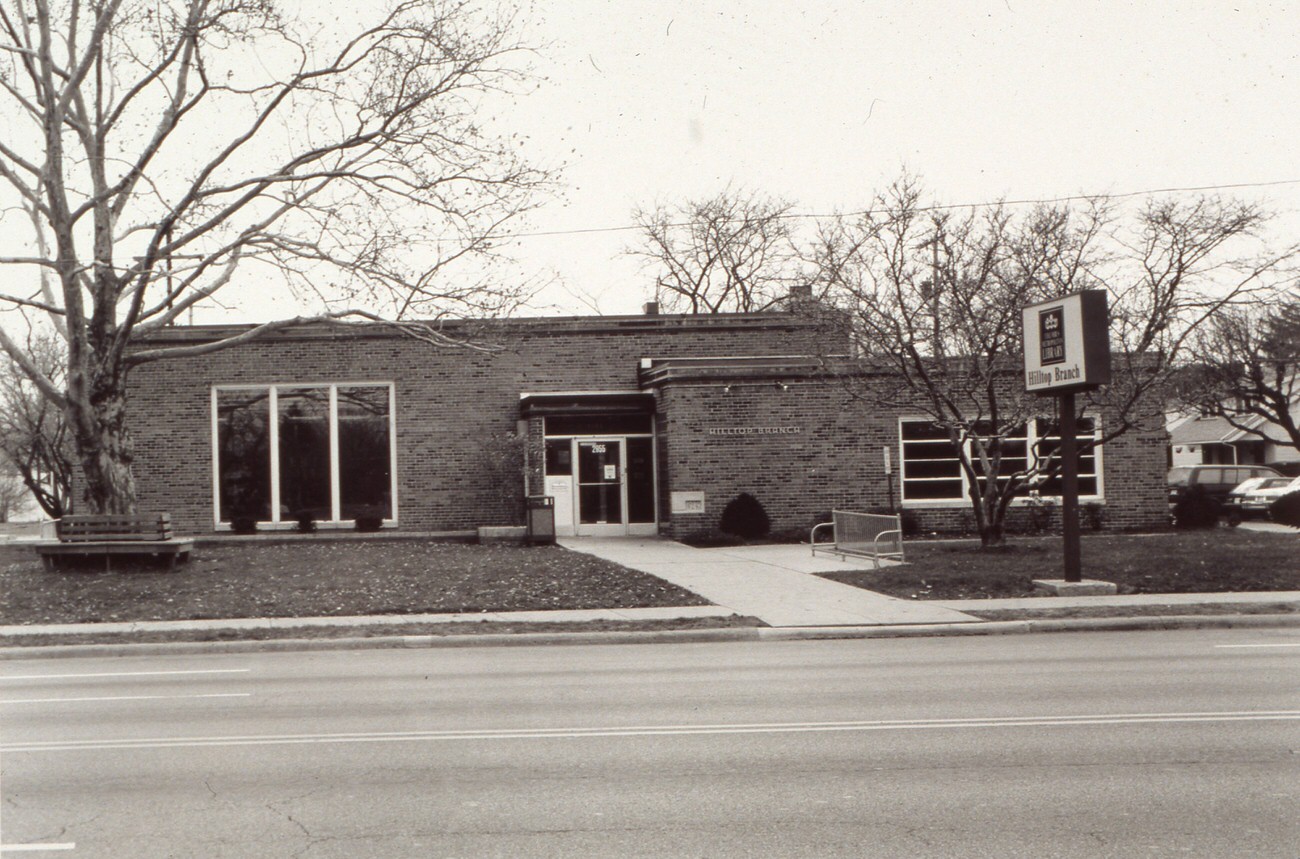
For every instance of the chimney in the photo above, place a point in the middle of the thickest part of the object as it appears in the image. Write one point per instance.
(651, 308)
(800, 295)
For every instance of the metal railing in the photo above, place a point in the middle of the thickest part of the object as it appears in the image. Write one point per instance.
(866, 535)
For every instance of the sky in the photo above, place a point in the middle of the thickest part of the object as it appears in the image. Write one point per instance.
(823, 103)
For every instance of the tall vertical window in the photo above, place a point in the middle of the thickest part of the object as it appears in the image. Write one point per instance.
(931, 470)
(304, 423)
(365, 468)
(289, 451)
(244, 451)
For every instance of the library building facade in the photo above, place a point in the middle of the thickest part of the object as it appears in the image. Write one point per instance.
(632, 425)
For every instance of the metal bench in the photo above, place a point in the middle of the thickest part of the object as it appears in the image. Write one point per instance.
(862, 535)
(115, 534)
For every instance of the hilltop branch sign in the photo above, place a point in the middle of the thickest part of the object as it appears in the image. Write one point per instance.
(1067, 343)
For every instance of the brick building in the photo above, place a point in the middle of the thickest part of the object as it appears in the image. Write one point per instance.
(634, 425)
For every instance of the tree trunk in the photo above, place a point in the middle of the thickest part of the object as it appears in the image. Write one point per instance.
(992, 535)
(992, 523)
(105, 452)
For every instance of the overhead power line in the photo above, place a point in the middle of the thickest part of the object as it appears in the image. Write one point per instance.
(942, 207)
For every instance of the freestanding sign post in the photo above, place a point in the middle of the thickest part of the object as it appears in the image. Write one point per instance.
(1067, 350)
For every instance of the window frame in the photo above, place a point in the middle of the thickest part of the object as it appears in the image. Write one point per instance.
(1033, 434)
(275, 523)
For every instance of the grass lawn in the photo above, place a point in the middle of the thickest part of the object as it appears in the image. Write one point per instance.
(302, 579)
(1221, 560)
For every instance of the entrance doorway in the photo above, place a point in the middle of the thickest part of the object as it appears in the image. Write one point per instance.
(603, 485)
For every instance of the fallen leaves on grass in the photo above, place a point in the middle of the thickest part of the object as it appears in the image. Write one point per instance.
(1218, 561)
(327, 578)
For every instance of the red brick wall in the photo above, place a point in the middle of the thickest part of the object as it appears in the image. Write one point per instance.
(837, 460)
(449, 400)
(446, 398)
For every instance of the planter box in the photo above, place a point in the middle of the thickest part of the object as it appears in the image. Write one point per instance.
(496, 534)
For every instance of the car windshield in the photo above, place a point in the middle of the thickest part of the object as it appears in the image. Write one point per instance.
(1179, 476)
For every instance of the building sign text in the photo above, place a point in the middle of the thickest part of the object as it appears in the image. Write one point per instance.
(754, 430)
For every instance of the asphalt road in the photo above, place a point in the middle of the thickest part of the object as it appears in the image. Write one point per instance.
(1176, 743)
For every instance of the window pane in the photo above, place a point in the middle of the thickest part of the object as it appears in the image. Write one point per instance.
(931, 468)
(923, 430)
(640, 480)
(304, 453)
(597, 424)
(243, 455)
(918, 490)
(365, 468)
(559, 458)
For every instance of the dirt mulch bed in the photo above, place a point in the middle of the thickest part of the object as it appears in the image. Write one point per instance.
(1216, 561)
(335, 578)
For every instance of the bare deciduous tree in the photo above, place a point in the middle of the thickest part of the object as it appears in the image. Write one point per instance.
(933, 297)
(730, 253)
(158, 153)
(33, 434)
(13, 491)
(1245, 368)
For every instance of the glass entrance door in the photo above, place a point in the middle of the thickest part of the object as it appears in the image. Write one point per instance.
(600, 486)
(603, 486)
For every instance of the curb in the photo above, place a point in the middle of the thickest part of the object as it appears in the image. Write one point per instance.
(682, 636)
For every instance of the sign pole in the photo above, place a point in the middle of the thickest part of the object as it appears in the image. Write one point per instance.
(1067, 350)
(889, 479)
(1070, 488)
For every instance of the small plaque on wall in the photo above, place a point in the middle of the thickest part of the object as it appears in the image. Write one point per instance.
(688, 502)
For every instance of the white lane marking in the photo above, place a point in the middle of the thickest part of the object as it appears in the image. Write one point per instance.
(125, 674)
(124, 698)
(649, 730)
(1288, 644)
(32, 848)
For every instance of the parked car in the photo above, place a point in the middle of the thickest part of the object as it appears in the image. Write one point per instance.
(1251, 498)
(1215, 481)
(1286, 469)
(1261, 498)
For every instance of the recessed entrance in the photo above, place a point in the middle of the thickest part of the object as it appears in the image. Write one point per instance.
(602, 485)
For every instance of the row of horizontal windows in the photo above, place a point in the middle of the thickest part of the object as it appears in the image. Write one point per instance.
(931, 469)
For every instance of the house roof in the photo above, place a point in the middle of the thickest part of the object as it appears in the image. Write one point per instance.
(1213, 430)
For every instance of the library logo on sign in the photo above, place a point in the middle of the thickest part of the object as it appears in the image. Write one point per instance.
(1051, 335)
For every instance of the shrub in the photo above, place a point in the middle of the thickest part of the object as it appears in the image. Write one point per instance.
(1196, 510)
(907, 519)
(1286, 510)
(243, 524)
(369, 523)
(1095, 515)
(745, 517)
(708, 539)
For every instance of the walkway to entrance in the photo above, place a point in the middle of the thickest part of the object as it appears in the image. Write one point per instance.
(773, 583)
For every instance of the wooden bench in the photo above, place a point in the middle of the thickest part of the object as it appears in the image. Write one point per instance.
(115, 534)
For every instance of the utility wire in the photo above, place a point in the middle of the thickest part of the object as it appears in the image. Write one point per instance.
(937, 207)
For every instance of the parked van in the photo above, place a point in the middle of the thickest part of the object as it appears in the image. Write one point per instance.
(1215, 480)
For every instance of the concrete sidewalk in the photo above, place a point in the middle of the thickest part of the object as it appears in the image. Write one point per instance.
(377, 620)
(772, 583)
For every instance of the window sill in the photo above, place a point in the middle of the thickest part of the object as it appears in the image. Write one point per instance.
(947, 504)
(292, 527)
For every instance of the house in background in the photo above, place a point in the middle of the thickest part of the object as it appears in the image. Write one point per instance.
(1198, 440)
